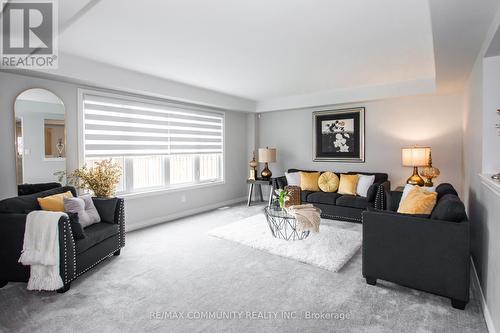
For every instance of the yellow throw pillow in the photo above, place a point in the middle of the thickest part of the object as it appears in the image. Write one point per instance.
(309, 181)
(328, 182)
(54, 203)
(348, 184)
(418, 201)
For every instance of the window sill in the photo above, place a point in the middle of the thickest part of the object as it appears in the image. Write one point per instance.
(179, 188)
(490, 183)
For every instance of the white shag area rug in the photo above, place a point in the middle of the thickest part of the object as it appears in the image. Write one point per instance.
(330, 249)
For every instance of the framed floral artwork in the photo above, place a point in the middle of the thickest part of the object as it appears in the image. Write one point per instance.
(339, 135)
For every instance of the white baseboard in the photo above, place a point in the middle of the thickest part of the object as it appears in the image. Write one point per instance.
(484, 306)
(184, 213)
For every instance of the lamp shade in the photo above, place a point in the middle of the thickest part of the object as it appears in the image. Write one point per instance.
(415, 156)
(267, 155)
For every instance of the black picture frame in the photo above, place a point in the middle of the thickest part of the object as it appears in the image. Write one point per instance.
(339, 135)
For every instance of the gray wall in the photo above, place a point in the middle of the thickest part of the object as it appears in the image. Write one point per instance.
(12, 85)
(140, 211)
(433, 120)
(483, 204)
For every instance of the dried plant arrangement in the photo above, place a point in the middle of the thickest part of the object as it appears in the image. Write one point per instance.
(102, 178)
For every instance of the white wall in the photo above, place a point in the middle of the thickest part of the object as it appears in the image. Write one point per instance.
(433, 120)
(491, 102)
(12, 85)
(88, 72)
(140, 211)
(481, 155)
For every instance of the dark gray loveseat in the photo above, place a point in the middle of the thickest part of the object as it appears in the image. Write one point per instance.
(77, 256)
(337, 206)
(429, 253)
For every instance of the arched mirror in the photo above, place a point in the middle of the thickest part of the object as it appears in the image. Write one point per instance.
(40, 139)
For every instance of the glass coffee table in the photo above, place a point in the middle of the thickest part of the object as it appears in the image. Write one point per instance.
(283, 225)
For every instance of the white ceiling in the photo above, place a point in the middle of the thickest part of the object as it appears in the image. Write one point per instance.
(285, 54)
(263, 48)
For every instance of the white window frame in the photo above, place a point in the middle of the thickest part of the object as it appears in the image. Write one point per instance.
(165, 103)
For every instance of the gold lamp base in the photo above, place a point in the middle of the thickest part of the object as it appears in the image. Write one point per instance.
(415, 178)
(266, 173)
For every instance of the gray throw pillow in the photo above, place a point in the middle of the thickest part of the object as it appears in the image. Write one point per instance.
(84, 206)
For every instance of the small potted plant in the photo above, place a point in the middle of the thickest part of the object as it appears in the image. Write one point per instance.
(102, 178)
(281, 196)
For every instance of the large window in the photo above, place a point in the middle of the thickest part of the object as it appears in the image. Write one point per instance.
(158, 145)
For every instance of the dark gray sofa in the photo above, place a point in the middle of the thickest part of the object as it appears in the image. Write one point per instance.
(429, 253)
(337, 206)
(77, 256)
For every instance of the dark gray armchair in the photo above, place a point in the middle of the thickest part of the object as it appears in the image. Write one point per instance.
(429, 253)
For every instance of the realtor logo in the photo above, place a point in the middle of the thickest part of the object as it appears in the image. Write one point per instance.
(29, 34)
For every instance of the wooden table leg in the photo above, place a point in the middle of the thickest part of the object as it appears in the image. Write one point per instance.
(250, 191)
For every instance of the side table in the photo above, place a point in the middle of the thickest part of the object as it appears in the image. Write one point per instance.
(258, 183)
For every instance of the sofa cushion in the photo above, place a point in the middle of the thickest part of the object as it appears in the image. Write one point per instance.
(379, 176)
(353, 201)
(54, 202)
(364, 183)
(304, 195)
(292, 178)
(390, 212)
(328, 182)
(95, 234)
(26, 189)
(309, 181)
(445, 188)
(26, 203)
(449, 208)
(418, 201)
(348, 184)
(84, 206)
(327, 198)
(106, 208)
(408, 188)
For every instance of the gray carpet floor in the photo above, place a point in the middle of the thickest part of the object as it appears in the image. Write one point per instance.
(176, 267)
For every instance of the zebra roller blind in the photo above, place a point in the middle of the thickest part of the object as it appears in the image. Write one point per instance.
(116, 126)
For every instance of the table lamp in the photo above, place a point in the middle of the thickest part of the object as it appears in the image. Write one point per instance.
(415, 157)
(267, 155)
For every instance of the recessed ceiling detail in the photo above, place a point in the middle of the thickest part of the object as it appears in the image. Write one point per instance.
(260, 49)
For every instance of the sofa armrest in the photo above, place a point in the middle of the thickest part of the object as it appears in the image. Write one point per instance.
(425, 254)
(67, 251)
(279, 182)
(12, 227)
(112, 210)
(372, 193)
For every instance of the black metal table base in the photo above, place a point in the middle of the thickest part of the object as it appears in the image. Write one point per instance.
(283, 225)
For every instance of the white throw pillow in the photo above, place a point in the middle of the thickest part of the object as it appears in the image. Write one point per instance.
(84, 206)
(364, 183)
(293, 178)
(409, 187)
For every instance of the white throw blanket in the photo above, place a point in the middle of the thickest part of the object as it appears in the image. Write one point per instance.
(41, 250)
(308, 217)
